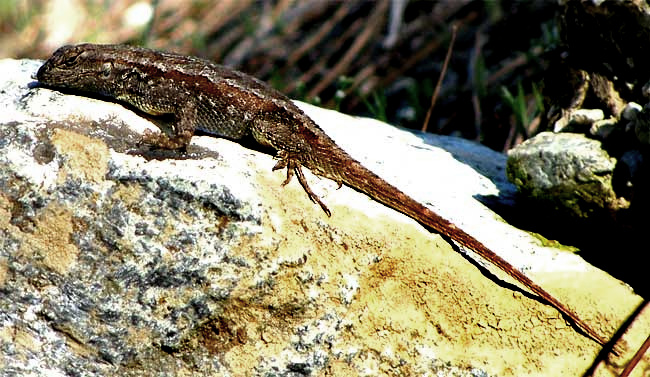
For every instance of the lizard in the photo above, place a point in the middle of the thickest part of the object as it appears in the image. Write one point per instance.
(194, 94)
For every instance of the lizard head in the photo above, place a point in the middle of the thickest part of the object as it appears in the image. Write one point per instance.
(84, 67)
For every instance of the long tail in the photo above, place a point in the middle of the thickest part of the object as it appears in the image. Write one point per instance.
(366, 181)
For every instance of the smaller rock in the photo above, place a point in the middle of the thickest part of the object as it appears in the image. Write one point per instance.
(631, 110)
(578, 119)
(603, 129)
(568, 171)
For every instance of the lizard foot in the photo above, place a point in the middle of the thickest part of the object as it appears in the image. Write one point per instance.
(293, 166)
(162, 140)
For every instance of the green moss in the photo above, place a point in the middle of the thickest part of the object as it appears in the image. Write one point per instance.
(553, 243)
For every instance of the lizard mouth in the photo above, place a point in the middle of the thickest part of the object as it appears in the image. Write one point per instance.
(45, 75)
(41, 73)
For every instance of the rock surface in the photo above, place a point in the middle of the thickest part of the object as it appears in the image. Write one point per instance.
(119, 261)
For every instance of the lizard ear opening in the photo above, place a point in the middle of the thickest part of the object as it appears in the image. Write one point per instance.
(107, 68)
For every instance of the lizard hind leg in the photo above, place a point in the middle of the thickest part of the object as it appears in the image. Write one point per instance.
(294, 166)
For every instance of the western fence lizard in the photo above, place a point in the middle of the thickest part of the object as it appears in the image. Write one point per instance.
(195, 94)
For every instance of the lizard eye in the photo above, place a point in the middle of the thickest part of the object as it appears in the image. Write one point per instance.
(70, 61)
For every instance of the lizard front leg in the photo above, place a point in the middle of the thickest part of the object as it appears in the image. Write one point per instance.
(293, 166)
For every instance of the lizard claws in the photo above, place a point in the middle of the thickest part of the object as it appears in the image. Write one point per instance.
(164, 141)
(293, 165)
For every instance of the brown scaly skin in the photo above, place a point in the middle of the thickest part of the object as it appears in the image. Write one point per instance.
(200, 95)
